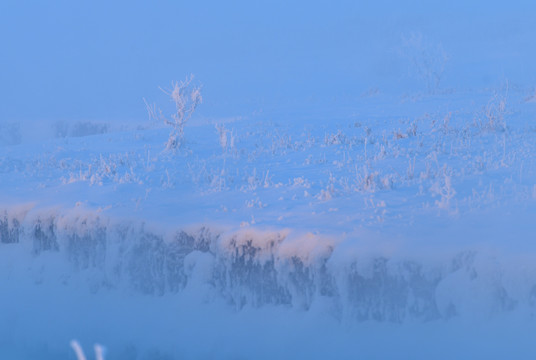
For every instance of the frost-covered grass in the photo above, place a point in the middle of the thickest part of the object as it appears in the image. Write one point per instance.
(443, 154)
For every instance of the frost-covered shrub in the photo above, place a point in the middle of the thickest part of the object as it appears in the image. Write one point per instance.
(147, 265)
(116, 168)
(389, 292)
(227, 138)
(156, 266)
(443, 188)
(45, 236)
(186, 98)
(9, 230)
(247, 273)
(87, 250)
(493, 117)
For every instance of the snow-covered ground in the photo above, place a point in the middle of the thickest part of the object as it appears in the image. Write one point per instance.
(371, 195)
(380, 215)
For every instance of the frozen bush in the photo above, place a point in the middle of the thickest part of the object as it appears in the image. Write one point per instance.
(227, 138)
(186, 98)
(9, 229)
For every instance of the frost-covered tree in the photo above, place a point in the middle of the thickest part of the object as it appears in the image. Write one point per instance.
(186, 98)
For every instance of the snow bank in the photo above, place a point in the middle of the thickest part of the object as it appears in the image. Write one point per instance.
(253, 268)
(201, 292)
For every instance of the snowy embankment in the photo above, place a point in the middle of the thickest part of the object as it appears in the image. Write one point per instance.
(148, 294)
(395, 211)
(251, 268)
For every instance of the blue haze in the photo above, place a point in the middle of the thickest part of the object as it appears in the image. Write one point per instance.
(64, 60)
